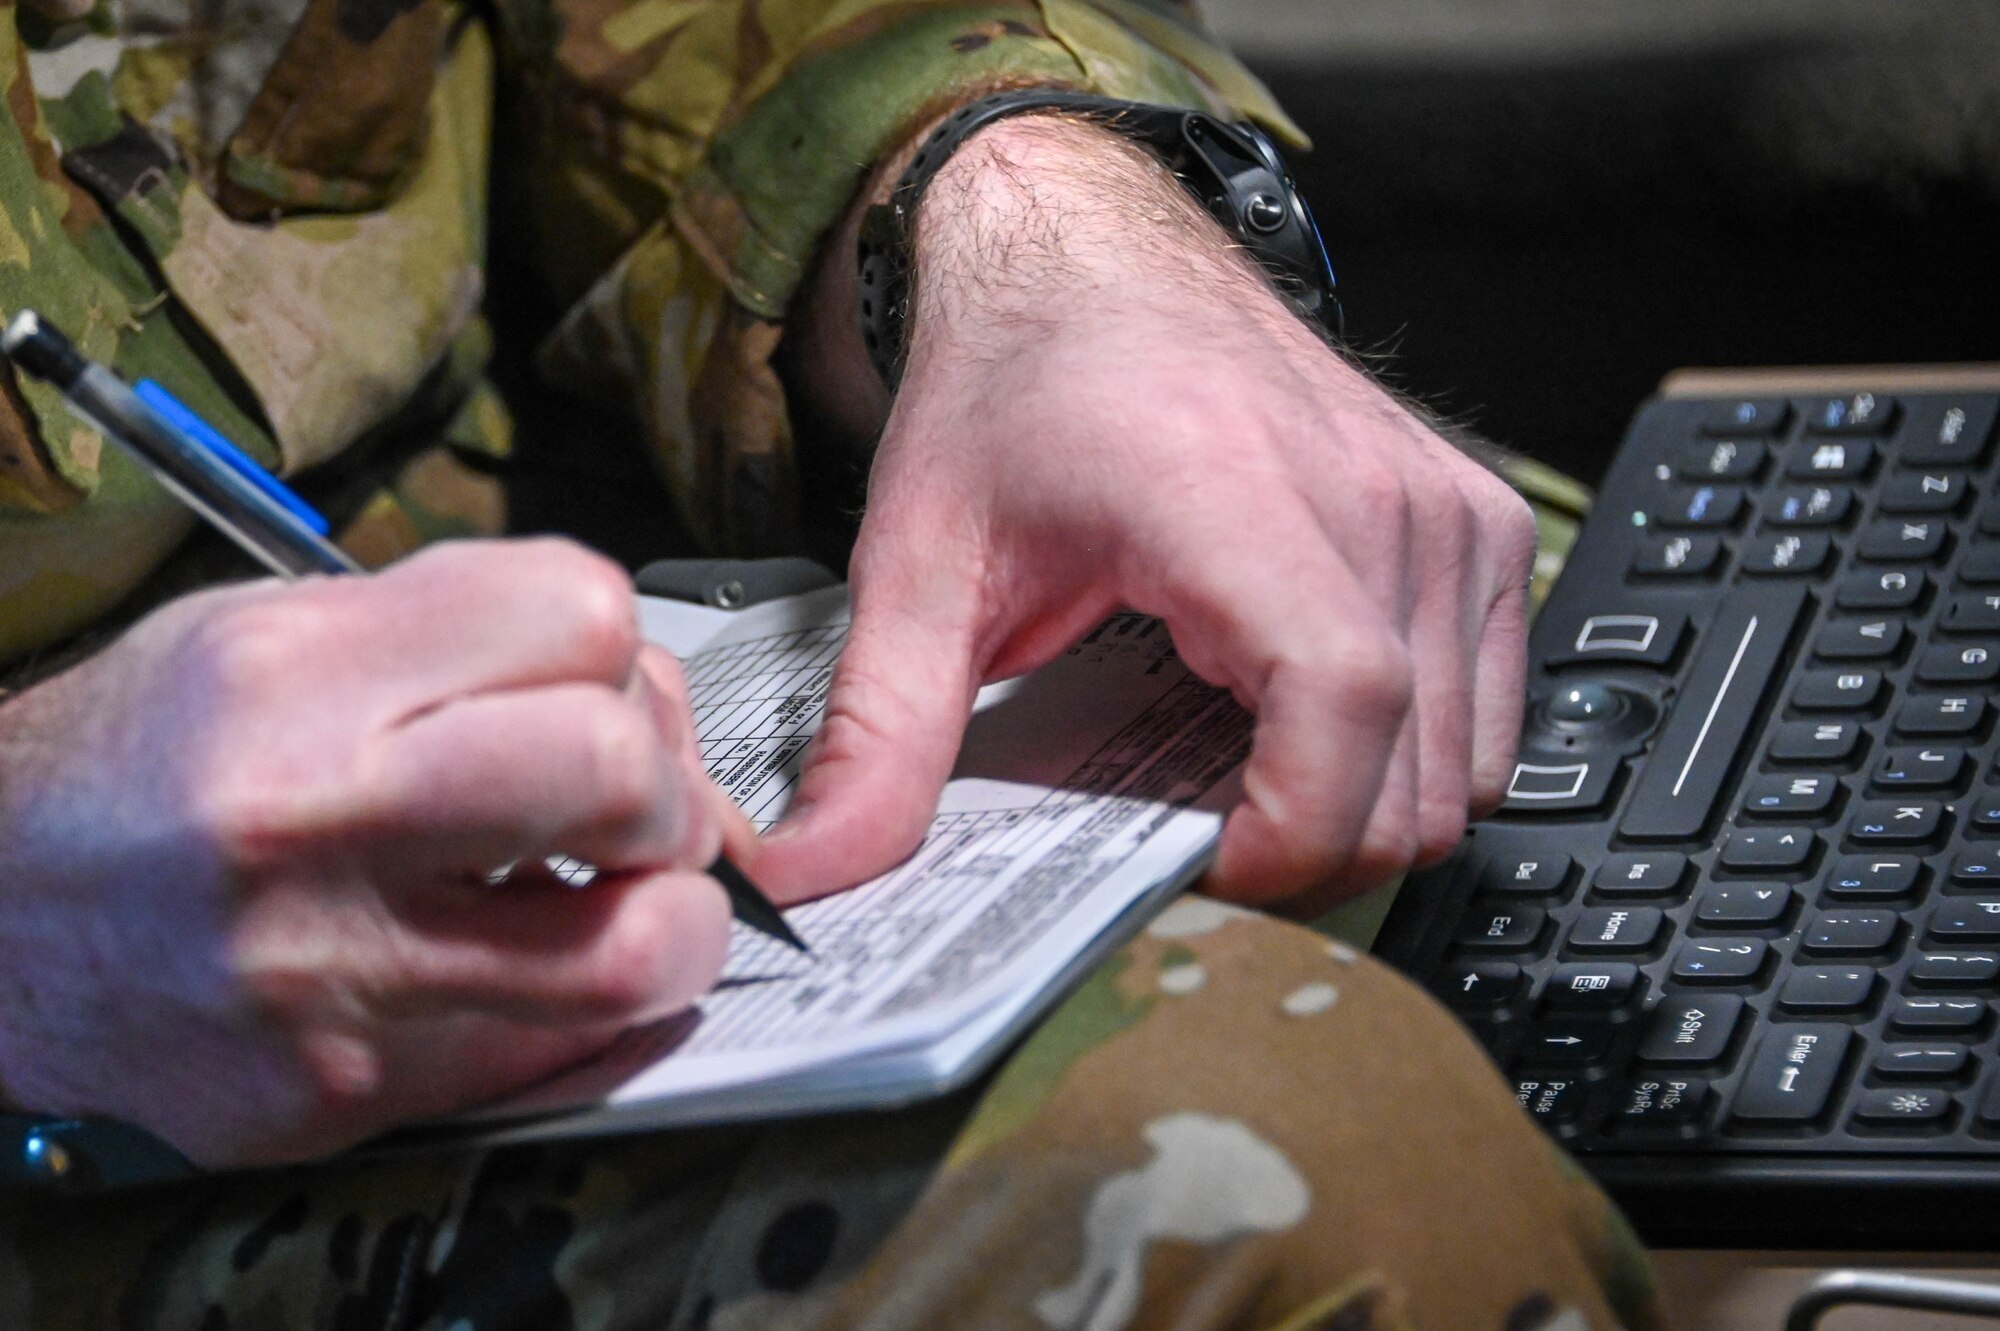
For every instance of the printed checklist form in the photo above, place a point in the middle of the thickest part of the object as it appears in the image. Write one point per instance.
(1085, 795)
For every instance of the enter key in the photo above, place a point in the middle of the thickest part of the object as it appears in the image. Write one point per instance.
(1793, 1074)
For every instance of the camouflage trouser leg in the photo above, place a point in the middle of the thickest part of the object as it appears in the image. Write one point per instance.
(1234, 1124)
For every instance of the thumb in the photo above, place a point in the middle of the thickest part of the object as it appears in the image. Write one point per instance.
(896, 711)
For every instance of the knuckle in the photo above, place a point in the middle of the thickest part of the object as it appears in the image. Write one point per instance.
(1440, 826)
(631, 966)
(596, 600)
(1377, 673)
(255, 649)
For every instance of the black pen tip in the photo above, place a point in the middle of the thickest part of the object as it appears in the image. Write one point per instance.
(751, 906)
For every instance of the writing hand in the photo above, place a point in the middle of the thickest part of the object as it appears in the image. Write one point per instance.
(244, 852)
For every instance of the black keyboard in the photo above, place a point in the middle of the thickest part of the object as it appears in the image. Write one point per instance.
(1735, 935)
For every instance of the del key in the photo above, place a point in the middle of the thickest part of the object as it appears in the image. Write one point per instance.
(1734, 666)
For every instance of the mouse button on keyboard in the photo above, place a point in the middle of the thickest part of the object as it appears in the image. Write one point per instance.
(1543, 784)
(1618, 638)
(1947, 432)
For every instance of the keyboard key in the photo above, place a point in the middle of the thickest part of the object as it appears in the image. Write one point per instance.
(1743, 905)
(1882, 589)
(1720, 960)
(1616, 929)
(1621, 638)
(1989, 1104)
(1902, 541)
(1984, 810)
(1857, 413)
(1691, 1029)
(1704, 506)
(1793, 554)
(1951, 664)
(1946, 433)
(1569, 1040)
(1981, 565)
(1962, 921)
(1501, 928)
(1792, 1074)
(1733, 667)
(1977, 612)
(1887, 1106)
(1677, 557)
(1922, 492)
(1749, 415)
(1919, 768)
(1821, 743)
(1858, 639)
(1808, 506)
(1895, 822)
(1550, 1099)
(1956, 970)
(1929, 1062)
(1851, 933)
(1976, 866)
(1872, 877)
(1640, 874)
(1722, 460)
(1789, 796)
(1480, 985)
(1944, 716)
(1761, 849)
(1938, 1014)
(1560, 787)
(1837, 690)
(1660, 1102)
(1829, 459)
(1534, 873)
(1598, 986)
(1825, 990)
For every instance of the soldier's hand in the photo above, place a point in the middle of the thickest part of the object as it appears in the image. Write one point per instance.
(1104, 405)
(244, 853)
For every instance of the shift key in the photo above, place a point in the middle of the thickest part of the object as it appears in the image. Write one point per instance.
(1734, 667)
(1792, 1074)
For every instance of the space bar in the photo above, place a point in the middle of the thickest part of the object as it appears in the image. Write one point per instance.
(1736, 664)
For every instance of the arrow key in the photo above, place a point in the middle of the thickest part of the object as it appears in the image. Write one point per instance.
(1743, 905)
(1567, 1040)
(1479, 986)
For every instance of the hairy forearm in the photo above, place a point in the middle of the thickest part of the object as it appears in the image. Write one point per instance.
(1031, 219)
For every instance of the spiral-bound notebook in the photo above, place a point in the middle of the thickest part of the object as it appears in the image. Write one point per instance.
(1084, 797)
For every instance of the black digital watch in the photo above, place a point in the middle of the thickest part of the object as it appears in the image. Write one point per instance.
(1233, 169)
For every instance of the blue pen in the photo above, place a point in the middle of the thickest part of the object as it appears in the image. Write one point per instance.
(205, 471)
(250, 505)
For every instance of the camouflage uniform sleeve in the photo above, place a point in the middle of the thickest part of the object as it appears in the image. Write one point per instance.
(690, 155)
